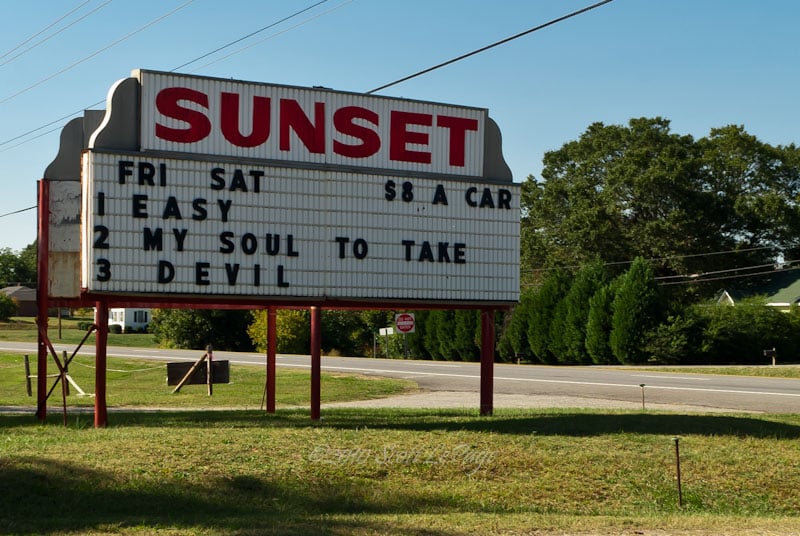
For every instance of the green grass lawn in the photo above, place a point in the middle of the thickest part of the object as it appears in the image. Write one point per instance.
(400, 472)
(785, 371)
(23, 329)
(143, 383)
(219, 465)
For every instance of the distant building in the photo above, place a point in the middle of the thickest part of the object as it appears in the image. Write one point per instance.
(129, 319)
(24, 297)
(781, 289)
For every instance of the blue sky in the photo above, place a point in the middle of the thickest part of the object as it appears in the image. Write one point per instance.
(700, 63)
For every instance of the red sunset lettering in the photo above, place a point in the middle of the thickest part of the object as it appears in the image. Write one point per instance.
(410, 134)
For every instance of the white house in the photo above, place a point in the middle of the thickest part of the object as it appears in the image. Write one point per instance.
(128, 318)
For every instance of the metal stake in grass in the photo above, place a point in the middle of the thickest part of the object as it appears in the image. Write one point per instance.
(642, 386)
(678, 471)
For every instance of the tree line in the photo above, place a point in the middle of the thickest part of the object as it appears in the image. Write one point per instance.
(626, 239)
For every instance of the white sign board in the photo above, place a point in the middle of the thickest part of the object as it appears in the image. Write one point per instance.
(250, 120)
(182, 226)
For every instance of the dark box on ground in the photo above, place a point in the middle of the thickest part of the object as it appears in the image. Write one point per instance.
(220, 372)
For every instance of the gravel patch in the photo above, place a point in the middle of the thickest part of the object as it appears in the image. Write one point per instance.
(460, 399)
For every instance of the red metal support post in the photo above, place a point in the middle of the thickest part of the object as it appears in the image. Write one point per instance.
(42, 291)
(209, 369)
(316, 349)
(272, 345)
(487, 361)
(101, 349)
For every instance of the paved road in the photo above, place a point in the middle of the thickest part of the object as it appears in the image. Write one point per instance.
(666, 387)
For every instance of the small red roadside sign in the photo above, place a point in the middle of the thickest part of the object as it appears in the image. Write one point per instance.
(404, 322)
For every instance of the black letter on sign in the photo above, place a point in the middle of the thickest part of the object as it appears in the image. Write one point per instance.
(238, 182)
(249, 243)
(281, 282)
(504, 199)
(224, 208)
(425, 252)
(458, 253)
(180, 236)
(342, 240)
(172, 210)
(444, 256)
(408, 244)
(360, 248)
(101, 204)
(139, 206)
(146, 173)
(273, 244)
(217, 178)
(290, 252)
(153, 240)
(232, 271)
(486, 198)
(256, 180)
(124, 170)
(166, 272)
(439, 198)
(227, 246)
(201, 273)
(468, 196)
(200, 212)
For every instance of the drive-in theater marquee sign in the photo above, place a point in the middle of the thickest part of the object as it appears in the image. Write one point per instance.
(201, 191)
(257, 190)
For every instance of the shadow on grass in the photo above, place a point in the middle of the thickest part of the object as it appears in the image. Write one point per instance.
(41, 496)
(542, 422)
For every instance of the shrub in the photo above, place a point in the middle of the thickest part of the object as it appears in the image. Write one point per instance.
(8, 307)
(678, 340)
(739, 334)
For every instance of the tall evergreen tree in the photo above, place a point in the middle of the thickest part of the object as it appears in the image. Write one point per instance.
(542, 309)
(636, 310)
(466, 340)
(599, 323)
(588, 281)
(516, 331)
(436, 323)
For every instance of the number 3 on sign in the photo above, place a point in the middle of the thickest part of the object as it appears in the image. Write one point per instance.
(103, 270)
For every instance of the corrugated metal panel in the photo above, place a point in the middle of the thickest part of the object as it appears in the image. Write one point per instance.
(438, 137)
(288, 239)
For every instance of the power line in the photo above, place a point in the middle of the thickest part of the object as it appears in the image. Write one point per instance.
(40, 32)
(46, 39)
(93, 54)
(274, 35)
(692, 279)
(657, 259)
(18, 211)
(45, 133)
(487, 47)
(251, 34)
(767, 272)
(697, 277)
(24, 134)
(15, 138)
